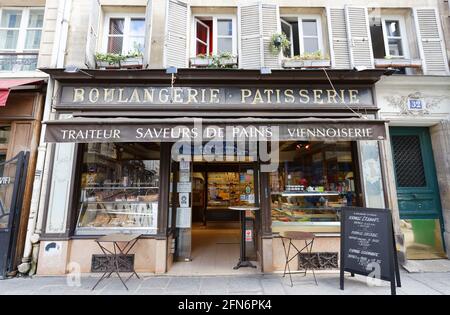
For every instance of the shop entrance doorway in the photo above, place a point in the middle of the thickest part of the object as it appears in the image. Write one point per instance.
(213, 241)
(418, 193)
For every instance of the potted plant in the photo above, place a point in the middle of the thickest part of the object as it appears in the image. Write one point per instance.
(108, 61)
(133, 60)
(201, 60)
(224, 60)
(278, 43)
(307, 60)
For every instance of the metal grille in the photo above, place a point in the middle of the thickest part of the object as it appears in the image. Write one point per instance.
(318, 261)
(408, 161)
(100, 263)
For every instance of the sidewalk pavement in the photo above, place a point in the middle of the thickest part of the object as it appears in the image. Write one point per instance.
(274, 284)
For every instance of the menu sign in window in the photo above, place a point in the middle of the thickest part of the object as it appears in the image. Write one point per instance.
(368, 244)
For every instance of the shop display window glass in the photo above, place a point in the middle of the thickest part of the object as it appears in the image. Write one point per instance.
(119, 188)
(314, 180)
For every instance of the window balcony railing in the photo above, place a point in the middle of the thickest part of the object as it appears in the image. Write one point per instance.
(14, 62)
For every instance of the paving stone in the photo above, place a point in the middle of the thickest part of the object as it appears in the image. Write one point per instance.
(244, 284)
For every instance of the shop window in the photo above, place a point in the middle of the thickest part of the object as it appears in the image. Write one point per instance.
(125, 34)
(119, 188)
(313, 181)
(304, 33)
(214, 35)
(20, 37)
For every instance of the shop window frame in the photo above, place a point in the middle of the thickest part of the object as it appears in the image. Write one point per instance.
(127, 17)
(215, 18)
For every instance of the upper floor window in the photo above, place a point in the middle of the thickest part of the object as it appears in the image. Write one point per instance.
(305, 34)
(124, 34)
(395, 42)
(20, 29)
(214, 35)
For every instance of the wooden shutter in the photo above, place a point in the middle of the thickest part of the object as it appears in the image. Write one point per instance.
(148, 32)
(92, 34)
(339, 46)
(431, 42)
(360, 43)
(175, 48)
(251, 54)
(270, 25)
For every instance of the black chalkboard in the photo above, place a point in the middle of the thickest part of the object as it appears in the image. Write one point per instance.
(368, 245)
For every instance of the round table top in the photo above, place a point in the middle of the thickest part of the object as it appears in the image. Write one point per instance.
(242, 208)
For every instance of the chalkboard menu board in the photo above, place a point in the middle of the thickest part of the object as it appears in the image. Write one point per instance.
(368, 244)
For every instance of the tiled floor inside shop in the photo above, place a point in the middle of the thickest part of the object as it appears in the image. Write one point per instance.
(215, 251)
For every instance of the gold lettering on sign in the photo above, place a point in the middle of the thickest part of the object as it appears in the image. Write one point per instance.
(192, 96)
(78, 95)
(245, 93)
(214, 98)
(163, 95)
(353, 96)
(93, 95)
(278, 96)
(121, 99)
(332, 96)
(148, 95)
(289, 96)
(177, 96)
(318, 96)
(108, 95)
(269, 94)
(134, 98)
(304, 97)
(258, 97)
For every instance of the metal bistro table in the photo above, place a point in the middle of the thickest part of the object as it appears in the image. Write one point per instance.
(117, 256)
(243, 262)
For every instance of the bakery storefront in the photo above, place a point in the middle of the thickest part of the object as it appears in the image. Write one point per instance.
(169, 158)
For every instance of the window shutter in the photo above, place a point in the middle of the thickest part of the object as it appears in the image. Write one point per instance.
(148, 32)
(270, 26)
(339, 46)
(361, 54)
(431, 43)
(175, 50)
(92, 34)
(251, 54)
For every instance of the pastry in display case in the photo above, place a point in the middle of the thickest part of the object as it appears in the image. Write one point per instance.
(117, 192)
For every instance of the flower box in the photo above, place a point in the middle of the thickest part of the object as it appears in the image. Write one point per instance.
(398, 63)
(132, 63)
(100, 64)
(299, 63)
(200, 61)
(230, 61)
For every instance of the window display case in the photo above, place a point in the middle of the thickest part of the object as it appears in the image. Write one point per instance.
(311, 185)
(118, 191)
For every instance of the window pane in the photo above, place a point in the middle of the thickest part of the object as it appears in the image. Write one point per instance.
(8, 39)
(309, 27)
(11, 18)
(137, 44)
(286, 31)
(116, 26)
(224, 45)
(311, 45)
(395, 47)
(119, 188)
(201, 49)
(137, 27)
(33, 39)
(36, 18)
(202, 32)
(224, 27)
(115, 45)
(392, 28)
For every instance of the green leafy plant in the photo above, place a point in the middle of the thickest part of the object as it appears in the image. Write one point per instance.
(134, 54)
(219, 61)
(203, 56)
(278, 42)
(310, 56)
(109, 58)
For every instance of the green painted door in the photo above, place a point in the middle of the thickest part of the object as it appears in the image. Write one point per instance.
(418, 192)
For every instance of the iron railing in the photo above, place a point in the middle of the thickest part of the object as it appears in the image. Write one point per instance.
(13, 61)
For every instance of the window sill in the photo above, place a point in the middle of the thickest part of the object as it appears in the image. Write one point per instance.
(293, 63)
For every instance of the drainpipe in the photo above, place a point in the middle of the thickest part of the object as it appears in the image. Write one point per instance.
(34, 228)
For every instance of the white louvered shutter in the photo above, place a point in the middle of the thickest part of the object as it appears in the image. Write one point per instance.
(251, 54)
(148, 32)
(361, 54)
(270, 26)
(431, 42)
(339, 46)
(92, 34)
(175, 48)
